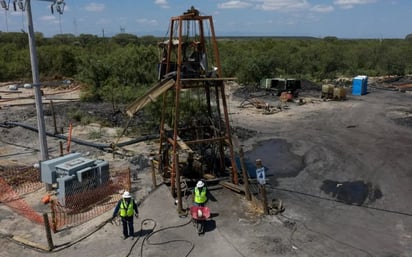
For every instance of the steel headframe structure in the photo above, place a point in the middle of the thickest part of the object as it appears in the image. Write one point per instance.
(191, 73)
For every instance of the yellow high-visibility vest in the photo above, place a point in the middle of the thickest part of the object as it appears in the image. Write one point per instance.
(200, 196)
(126, 210)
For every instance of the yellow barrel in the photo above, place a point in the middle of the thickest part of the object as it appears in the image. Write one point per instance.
(339, 93)
(343, 93)
(327, 90)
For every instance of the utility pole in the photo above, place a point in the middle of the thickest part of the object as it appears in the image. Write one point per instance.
(36, 83)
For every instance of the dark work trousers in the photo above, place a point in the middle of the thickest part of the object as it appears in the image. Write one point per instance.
(128, 229)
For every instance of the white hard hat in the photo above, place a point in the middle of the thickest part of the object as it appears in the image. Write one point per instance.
(126, 194)
(200, 184)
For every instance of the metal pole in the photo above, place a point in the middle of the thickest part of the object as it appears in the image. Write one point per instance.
(128, 181)
(48, 232)
(178, 188)
(7, 21)
(36, 84)
(37, 91)
(153, 172)
(54, 117)
(245, 175)
(264, 199)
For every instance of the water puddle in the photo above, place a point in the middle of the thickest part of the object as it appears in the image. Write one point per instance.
(277, 158)
(352, 192)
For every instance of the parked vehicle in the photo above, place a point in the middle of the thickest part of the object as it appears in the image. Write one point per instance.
(279, 85)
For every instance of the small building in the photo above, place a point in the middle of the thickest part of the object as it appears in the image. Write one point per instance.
(360, 85)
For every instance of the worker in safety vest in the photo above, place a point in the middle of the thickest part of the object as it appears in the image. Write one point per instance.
(200, 194)
(126, 208)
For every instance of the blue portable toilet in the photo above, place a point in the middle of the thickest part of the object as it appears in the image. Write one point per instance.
(360, 85)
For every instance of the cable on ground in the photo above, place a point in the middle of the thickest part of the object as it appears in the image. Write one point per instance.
(231, 244)
(147, 237)
(294, 222)
(341, 202)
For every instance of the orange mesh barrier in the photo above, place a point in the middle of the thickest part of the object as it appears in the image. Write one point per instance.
(23, 180)
(83, 206)
(80, 206)
(9, 197)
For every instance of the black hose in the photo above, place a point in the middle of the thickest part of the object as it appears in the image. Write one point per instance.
(146, 238)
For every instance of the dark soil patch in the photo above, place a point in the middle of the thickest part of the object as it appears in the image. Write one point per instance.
(352, 192)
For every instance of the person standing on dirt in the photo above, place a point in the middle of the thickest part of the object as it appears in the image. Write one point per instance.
(200, 194)
(126, 208)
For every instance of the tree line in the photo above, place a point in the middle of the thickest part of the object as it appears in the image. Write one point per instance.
(120, 68)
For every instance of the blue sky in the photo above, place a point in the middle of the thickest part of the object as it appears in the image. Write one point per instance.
(316, 18)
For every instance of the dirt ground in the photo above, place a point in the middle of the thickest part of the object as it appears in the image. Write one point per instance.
(341, 169)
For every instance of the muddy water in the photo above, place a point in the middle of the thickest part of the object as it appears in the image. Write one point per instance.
(352, 192)
(280, 162)
(277, 158)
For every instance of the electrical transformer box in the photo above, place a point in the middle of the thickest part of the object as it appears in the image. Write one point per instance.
(74, 174)
(73, 166)
(48, 168)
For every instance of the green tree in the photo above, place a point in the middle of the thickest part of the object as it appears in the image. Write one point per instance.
(57, 61)
(124, 39)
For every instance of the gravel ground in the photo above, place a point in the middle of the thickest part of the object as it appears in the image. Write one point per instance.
(341, 169)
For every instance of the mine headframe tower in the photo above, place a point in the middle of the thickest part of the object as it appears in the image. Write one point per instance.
(198, 140)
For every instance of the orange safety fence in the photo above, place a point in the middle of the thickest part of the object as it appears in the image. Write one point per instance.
(10, 198)
(23, 180)
(83, 207)
(79, 207)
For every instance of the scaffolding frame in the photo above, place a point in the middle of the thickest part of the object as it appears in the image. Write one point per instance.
(175, 63)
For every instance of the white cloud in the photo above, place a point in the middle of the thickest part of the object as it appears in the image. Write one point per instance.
(162, 3)
(289, 5)
(234, 5)
(347, 4)
(103, 21)
(284, 5)
(267, 5)
(15, 13)
(47, 18)
(150, 22)
(322, 8)
(95, 7)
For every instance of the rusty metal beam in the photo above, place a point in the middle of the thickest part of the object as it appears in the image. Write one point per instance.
(175, 62)
(208, 140)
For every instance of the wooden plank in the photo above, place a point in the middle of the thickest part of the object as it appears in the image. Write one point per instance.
(29, 243)
(232, 186)
(150, 96)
